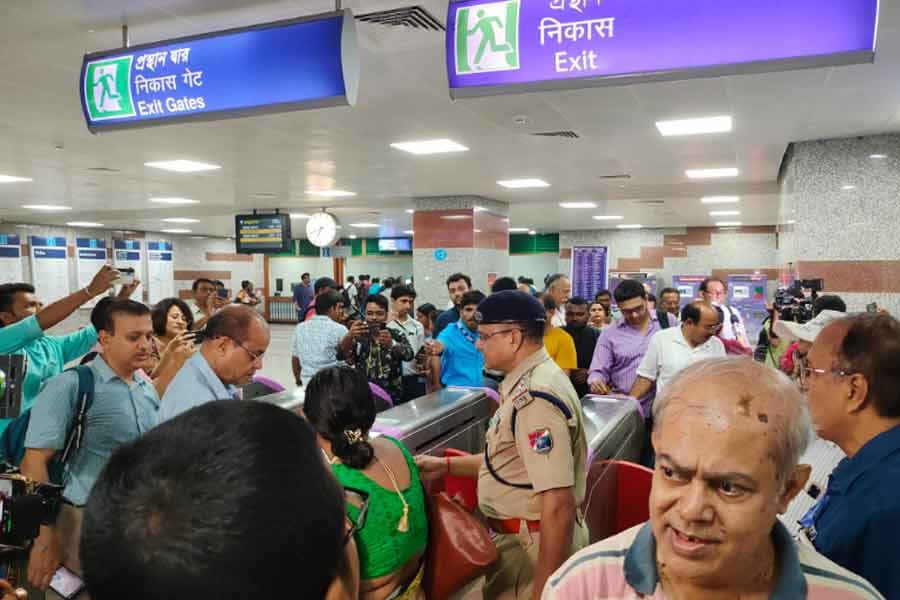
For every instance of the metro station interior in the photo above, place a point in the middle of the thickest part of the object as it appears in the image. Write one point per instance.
(575, 146)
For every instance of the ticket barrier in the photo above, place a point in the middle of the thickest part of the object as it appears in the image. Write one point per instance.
(452, 417)
(614, 427)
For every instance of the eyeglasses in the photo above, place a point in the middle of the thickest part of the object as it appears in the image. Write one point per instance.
(254, 356)
(805, 370)
(633, 311)
(360, 497)
(486, 336)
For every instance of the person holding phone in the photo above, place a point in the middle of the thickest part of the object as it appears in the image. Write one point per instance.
(377, 351)
(206, 302)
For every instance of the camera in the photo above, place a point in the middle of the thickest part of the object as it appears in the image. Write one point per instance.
(791, 302)
(25, 505)
(12, 376)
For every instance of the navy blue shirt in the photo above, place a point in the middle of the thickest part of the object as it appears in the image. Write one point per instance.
(303, 296)
(857, 523)
(444, 319)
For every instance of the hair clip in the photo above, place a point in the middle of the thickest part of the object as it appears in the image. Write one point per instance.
(353, 436)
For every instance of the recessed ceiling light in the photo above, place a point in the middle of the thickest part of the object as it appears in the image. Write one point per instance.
(299, 216)
(12, 179)
(607, 218)
(720, 199)
(629, 226)
(724, 213)
(438, 146)
(174, 201)
(365, 225)
(848, 187)
(330, 193)
(83, 224)
(728, 223)
(352, 236)
(46, 207)
(711, 173)
(182, 166)
(176, 230)
(694, 126)
(518, 230)
(578, 205)
(181, 220)
(532, 232)
(523, 183)
(791, 222)
(408, 232)
(410, 211)
(198, 237)
(878, 156)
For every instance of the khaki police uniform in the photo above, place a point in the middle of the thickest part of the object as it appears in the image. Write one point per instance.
(547, 451)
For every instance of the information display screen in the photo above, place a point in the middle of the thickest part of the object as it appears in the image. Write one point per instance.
(395, 245)
(262, 234)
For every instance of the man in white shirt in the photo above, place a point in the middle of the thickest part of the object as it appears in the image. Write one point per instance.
(714, 291)
(559, 287)
(316, 340)
(673, 349)
(402, 298)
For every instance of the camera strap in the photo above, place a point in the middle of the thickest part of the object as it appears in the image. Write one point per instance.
(84, 400)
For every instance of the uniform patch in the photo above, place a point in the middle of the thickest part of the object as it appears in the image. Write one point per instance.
(541, 441)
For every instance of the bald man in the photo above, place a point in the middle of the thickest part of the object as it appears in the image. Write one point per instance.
(729, 433)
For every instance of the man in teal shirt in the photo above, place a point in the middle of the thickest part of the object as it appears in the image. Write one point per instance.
(22, 317)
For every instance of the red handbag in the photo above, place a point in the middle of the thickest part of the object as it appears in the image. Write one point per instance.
(459, 547)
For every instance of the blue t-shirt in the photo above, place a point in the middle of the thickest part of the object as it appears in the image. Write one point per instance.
(447, 317)
(462, 364)
(857, 522)
(303, 295)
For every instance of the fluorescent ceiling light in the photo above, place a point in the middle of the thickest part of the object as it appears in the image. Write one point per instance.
(299, 216)
(578, 205)
(479, 209)
(518, 230)
(457, 217)
(728, 223)
(12, 179)
(724, 213)
(438, 146)
(176, 230)
(720, 199)
(352, 236)
(791, 222)
(365, 225)
(408, 232)
(83, 224)
(46, 207)
(410, 211)
(848, 187)
(629, 226)
(694, 126)
(532, 232)
(878, 156)
(330, 193)
(181, 220)
(607, 218)
(523, 183)
(174, 201)
(711, 173)
(182, 166)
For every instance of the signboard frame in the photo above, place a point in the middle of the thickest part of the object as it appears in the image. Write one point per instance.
(350, 65)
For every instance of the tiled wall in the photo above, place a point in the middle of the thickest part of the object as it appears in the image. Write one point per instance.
(845, 209)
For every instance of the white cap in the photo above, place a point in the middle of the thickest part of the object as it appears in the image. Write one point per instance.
(808, 331)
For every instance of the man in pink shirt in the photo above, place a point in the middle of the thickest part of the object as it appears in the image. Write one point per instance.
(728, 436)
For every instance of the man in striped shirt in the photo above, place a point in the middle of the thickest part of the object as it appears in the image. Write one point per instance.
(728, 436)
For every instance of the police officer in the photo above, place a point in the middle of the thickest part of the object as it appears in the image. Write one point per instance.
(531, 477)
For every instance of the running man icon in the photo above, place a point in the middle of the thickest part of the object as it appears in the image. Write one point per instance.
(487, 37)
(105, 84)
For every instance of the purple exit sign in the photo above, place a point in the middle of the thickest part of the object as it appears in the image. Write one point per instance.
(505, 46)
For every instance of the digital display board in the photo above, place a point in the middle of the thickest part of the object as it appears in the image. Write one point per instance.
(395, 245)
(289, 65)
(262, 234)
(505, 46)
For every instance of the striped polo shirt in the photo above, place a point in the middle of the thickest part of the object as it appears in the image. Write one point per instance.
(623, 567)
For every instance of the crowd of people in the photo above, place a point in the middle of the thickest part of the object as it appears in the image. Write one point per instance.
(175, 488)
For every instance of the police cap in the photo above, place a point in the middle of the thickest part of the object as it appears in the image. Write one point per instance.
(510, 306)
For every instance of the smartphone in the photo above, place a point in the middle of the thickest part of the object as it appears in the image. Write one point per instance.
(126, 276)
(224, 294)
(872, 308)
(375, 329)
(66, 583)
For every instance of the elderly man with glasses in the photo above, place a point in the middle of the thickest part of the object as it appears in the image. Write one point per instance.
(852, 379)
(729, 435)
(234, 342)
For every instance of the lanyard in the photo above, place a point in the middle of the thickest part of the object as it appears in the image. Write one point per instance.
(808, 521)
(472, 338)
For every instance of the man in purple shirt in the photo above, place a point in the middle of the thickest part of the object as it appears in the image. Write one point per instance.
(623, 344)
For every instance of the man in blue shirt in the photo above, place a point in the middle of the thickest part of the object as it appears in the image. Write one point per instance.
(124, 407)
(234, 342)
(853, 383)
(303, 295)
(47, 354)
(457, 285)
(461, 363)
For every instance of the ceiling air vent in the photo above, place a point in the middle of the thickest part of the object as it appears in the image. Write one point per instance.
(102, 170)
(620, 176)
(650, 202)
(561, 134)
(408, 16)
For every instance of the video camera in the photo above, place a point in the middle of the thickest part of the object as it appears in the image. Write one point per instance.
(25, 505)
(791, 302)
